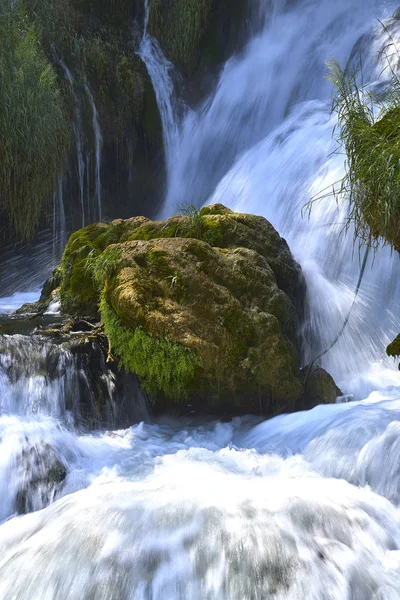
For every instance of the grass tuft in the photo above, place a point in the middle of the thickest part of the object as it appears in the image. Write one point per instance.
(368, 132)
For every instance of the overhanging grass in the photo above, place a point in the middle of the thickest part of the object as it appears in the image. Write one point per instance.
(368, 132)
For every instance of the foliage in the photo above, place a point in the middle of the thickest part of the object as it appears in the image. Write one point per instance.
(33, 127)
(79, 291)
(162, 367)
(181, 28)
(194, 224)
(102, 266)
(369, 133)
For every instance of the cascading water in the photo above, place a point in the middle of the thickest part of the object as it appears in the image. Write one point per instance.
(59, 222)
(301, 507)
(78, 135)
(161, 74)
(98, 145)
(262, 143)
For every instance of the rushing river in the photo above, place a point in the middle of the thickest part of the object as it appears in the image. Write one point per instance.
(303, 506)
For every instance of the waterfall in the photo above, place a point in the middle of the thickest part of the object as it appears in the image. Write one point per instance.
(59, 222)
(161, 73)
(98, 146)
(262, 143)
(78, 135)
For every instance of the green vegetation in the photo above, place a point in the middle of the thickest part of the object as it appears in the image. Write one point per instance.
(79, 291)
(94, 40)
(180, 28)
(194, 222)
(369, 133)
(198, 35)
(394, 348)
(164, 368)
(34, 130)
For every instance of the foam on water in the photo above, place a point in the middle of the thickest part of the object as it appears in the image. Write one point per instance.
(174, 513)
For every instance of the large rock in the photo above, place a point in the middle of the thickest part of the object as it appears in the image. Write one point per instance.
(205, 306)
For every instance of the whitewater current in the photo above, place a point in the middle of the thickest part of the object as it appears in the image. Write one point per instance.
(302, 506)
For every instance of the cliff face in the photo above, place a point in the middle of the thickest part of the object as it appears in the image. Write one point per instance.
(107, 135)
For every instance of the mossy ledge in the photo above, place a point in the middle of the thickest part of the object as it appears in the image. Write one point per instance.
(202, 307)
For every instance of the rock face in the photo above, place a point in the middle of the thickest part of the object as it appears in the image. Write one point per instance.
(204, 306)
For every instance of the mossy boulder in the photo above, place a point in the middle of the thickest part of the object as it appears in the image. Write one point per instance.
(204, 306)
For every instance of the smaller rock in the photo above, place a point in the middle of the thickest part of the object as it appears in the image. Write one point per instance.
(51, 284)
(396, 15)
(42, 475)
(319, 387)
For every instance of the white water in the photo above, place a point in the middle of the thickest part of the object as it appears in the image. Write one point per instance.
(303, 506)
(98, 147)
(218, 511)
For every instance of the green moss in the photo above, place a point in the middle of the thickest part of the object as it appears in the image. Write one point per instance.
(212, 232)
(167, 298)
(200, 250)
(153, 230)
(394, 348)
(215, 209)
(104, 267)
(79, 291)
(52, 283)
(163, 368)
(158, 264)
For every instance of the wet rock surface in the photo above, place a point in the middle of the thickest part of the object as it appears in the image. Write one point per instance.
(41, 477)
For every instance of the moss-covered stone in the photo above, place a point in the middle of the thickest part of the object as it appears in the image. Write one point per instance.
(52, 284)
(78, 291)
(394, 348)
(193, 318)
(223, 228)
